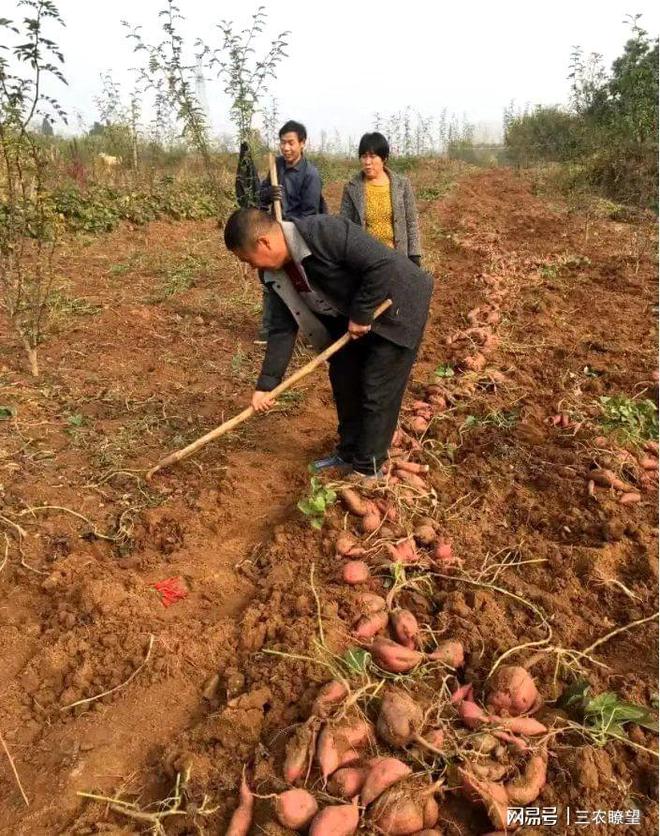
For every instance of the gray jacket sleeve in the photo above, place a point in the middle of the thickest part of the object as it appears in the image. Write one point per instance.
(347, 207)
(282, 332)
(412, 220)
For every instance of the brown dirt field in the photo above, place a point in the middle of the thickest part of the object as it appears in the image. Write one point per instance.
(151, 347)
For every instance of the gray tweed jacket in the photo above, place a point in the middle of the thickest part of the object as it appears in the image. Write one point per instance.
(404, 210)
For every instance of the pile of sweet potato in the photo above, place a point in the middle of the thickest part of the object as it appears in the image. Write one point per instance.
(378, 760)
(347, 766)
(620, 473)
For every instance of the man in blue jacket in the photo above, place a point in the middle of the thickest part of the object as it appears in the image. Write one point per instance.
(299, 181)
(299, 188)
(324, 275)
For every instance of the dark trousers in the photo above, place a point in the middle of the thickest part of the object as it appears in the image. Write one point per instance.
(369, 378)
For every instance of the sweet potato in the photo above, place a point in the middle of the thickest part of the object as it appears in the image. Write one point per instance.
(404, 551)
(438, 402)
(511, 690)
(398, 812)
(336, 820)
(411, 479)
(412, 467)
(518, 742)
(353, 501)
(404, 627)
(630, 498)
(424, 411)
(425, 535)
(399, 718)
(526, 787)
(607, 479)
(444, 552)
(369, 625)
(474, 362)
(393, 657)
(489, 770)
(355, 571)
(347, 781)
(471, 714)
(357, 731)
(449, 652)
(241, 820)
(477, 334)
(349, 757)
(431, 812)
(491, 794)
(330, 695)
(432, 742)
(329, 750)
(419, 405)
(428, 832)
(338, 743)
(386, 508)
(369, 602)
(381, 776)
(297, 753)
(648, 463)
(418, 424)
(295, 808)
(370, 522)
(345, 543)
(464, 692)
(519, 725)
(652, 448)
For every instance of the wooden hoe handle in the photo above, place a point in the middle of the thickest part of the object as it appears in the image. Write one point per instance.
(179, 455)
(277, 204)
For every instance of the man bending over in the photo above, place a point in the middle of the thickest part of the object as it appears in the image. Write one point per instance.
(324, 275)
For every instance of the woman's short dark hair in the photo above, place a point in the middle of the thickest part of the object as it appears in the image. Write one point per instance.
(293, 127)
(374, 143)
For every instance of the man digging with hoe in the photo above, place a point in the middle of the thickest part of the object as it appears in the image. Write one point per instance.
(324, 275)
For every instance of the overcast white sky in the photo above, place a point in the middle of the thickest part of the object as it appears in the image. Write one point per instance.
(350, 58)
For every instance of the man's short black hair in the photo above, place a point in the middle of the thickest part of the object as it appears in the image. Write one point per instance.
(293, 127)
(374, 143)
(245, 226)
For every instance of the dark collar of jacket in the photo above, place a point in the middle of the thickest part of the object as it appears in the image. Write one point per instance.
(282, 165)
(355, 188)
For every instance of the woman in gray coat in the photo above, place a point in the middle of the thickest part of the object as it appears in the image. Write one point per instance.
(381, 201)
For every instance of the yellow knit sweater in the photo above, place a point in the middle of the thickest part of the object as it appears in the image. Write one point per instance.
(378, 212)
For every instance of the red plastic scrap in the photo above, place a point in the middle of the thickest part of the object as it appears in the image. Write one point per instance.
(171, 590)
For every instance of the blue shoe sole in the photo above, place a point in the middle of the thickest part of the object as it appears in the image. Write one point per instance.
(332, 462)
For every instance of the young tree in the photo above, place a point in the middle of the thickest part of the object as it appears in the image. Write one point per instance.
(29, 226)
(245, 75)
(120, 122)
(170, 75)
